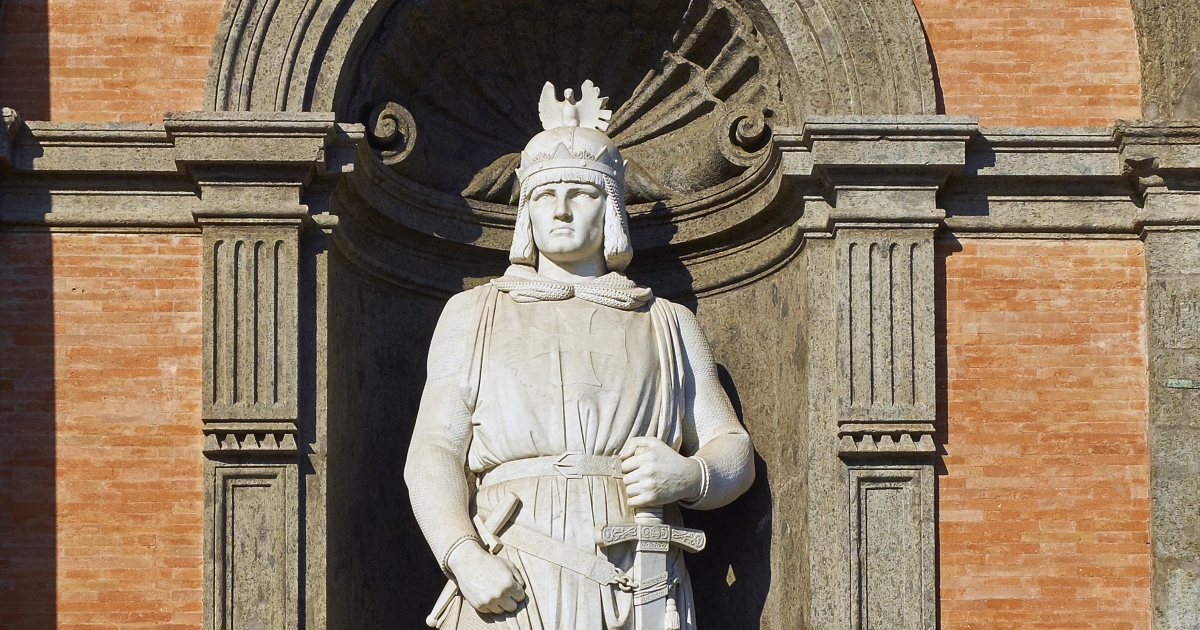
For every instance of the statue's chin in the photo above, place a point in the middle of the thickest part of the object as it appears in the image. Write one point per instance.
(565, 248)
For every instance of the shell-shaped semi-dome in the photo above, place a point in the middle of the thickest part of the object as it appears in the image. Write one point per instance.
(674, 71)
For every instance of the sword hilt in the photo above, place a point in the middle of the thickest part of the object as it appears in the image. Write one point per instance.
(648, 515)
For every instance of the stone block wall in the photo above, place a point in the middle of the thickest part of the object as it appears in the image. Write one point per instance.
(1044, 501)
(101, 495)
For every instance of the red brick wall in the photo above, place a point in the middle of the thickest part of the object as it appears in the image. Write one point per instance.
(1011, 62)
(100, 383)
(105, 60)
(1044, 510)
(1036, 62)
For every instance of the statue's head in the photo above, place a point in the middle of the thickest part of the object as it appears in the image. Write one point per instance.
(576, 167)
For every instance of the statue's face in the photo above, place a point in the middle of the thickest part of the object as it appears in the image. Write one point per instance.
(567, 220)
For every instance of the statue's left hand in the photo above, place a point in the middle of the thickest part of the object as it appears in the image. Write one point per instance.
(657, 475)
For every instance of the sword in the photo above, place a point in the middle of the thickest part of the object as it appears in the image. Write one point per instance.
(495, 522)
(652, 610)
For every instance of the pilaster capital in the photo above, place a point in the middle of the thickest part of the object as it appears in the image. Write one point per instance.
(261, 140)
(880, 169)
(1171, 145)
(1162, 161)
(251, 165)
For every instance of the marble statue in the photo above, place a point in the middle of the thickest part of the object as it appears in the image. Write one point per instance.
(568, 412)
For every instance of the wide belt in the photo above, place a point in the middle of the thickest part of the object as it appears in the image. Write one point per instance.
(568, 465)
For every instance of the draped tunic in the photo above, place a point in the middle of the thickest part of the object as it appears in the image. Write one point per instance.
(547, 377)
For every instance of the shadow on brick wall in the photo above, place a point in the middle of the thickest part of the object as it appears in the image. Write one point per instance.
(27, 457)
(25, 58)
(945, 247)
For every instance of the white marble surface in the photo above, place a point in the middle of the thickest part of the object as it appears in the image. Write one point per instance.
(563, 398)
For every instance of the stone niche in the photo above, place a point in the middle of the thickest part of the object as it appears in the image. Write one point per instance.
(446, 93)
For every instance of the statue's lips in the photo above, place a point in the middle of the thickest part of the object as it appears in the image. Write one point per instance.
(562, 230)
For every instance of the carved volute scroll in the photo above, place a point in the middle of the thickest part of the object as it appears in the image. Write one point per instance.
(677, 74)
(850, 57)
(702, 92)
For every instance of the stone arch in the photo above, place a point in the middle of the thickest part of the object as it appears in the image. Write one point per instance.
(446, 92)
(855, 57)
(407, 237)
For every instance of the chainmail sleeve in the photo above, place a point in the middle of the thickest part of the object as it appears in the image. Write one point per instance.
(712, 434)
(435, 472)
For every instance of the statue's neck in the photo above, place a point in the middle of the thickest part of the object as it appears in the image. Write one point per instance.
(572, 271)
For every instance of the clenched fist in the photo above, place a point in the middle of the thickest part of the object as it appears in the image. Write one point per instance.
(489, 583)
(657, 475)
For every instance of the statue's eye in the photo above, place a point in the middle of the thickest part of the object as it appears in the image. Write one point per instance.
(543, 195)
(579, 194)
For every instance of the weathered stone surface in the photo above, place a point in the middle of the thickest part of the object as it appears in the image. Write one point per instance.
(1011, 182)
(252, 549)
(892, 553)
(750, 575)
(1173, 263)
(1169, 44)
(295, 55)
(885, 325)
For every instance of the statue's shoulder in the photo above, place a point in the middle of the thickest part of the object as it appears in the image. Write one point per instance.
(682, 313)
(463, 308)
(469, 298)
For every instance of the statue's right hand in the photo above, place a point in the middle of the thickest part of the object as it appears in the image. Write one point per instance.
(489, 583)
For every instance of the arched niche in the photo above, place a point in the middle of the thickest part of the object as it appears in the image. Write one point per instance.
(446, 90)
(302, 55)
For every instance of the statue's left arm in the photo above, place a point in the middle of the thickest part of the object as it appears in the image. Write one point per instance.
(712, 434)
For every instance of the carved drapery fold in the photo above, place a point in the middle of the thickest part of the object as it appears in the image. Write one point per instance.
(699, 88)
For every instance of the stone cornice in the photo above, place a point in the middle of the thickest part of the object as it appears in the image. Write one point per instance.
(1114, 180)
(259, 139)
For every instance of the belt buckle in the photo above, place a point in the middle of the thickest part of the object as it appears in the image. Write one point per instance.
(567, 469)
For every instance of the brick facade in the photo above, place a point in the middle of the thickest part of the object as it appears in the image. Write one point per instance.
(116, 60)
(1044, 502)
(1036, 62)
(100, 485)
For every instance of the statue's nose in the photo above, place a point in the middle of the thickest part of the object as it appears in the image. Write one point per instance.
(561, 211)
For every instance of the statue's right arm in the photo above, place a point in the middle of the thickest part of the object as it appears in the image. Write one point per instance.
(436, 472)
